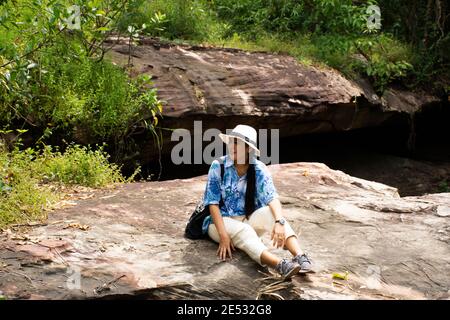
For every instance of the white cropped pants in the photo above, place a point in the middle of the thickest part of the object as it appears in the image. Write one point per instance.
(245, 233)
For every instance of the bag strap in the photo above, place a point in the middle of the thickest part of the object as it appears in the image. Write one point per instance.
(250, 194)
(222, 173)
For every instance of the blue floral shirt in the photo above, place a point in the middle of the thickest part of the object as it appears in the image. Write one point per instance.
(233, 189)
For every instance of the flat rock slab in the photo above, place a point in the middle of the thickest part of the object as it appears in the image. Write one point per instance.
(128, 243)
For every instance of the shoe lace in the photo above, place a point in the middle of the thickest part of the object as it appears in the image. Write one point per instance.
(282, 266)
(303, 258)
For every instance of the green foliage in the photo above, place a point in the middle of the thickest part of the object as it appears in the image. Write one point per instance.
(299, 46)
(384, 72)
(71, 92)
(413, 43)
(334, 30)
(54, 79)
(97, 96)
(378, 57)
(173, 19)
(330, 32)
(443, 186)
(78, 165)
(425, 25)
(29, 25)
(25, 174)
(21, 199)
(330, 16)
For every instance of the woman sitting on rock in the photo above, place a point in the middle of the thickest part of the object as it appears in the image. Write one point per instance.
(240, 222)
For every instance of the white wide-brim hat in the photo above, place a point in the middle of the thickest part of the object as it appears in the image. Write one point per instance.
(244, 133)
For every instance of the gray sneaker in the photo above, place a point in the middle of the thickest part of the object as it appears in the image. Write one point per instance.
(287, 268)
(304, 262)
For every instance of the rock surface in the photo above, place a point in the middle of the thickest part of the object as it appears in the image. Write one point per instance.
(128, 243)
(226, 87)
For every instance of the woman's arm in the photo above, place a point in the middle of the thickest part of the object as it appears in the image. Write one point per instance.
(212, 199)
(217, 219)
(275, 207)
(278, 233)
(225, 244)
(268, 196)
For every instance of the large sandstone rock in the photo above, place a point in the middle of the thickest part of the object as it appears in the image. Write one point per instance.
(128, 242)
(225, 87)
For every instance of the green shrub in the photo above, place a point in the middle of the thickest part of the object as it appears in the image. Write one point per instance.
(21, 197)
(78, 165)
(173, 19)
(387, 59)
(281, 16)
(443, 186)
(25, 193)
(65, 91)
(54, 80)
(330, 32)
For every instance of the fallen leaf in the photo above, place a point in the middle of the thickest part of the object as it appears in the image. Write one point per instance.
(76, 225)
(341, 276)
(20, 237)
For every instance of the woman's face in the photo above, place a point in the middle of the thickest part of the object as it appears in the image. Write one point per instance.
(238, 151)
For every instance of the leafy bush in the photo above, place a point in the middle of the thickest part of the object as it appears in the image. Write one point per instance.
(325, 16)
(173, 19)
(78, 165)
(25, 193)
(379, 57)
(443, 186)
(98, 96)
(331, 32)
(21, 198)
(53, 79)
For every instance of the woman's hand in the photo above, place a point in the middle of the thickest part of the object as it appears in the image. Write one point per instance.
(225, 243)
(225, 247)
(278, 236)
